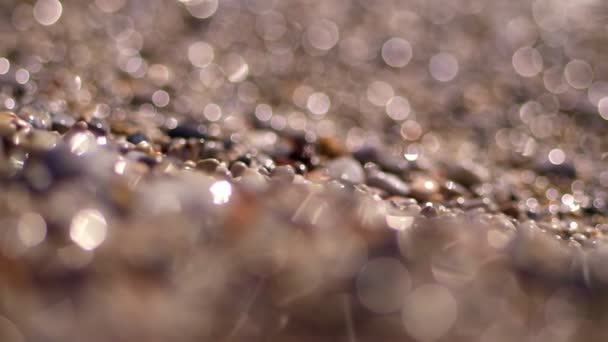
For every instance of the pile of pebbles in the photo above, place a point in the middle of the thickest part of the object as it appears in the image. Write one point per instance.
(124, 218)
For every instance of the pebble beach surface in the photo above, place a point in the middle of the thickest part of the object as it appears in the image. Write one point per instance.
(299, 170)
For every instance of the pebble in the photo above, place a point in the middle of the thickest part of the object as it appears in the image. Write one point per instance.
(186, 131)
(100, 127)
(253, 180)
(423, 188)
(37, 118)
(387, 161)
(137, 138)
(466, 173)
(39, 140)
(566, 169)
(283, 173)
(238, 168)
(428, 210)
(388, 182)
(346, 169)
(7, 123)
(62, 122)
(208, 165)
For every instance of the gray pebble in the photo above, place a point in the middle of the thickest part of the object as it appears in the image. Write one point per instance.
(284, 173)
(388, 182)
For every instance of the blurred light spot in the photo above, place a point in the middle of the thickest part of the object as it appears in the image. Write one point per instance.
(412, 152)
(527, 61)
(429, 312)
(88, 229)
(47, 12)
(318, 103)
(578, 74)
(379, 93)
(221, 192)
(235, 67)
(9, 103)
(443, 67)
(301, 95)
(160, 98)
(521, 32)
(557, 156)
(382, 284)
(202, 9)
(31, 229)
(397, 52)
(263, 112)
(323, 34)
(398, 108)
(411, 130)
(82, 142)
(5, 66)
(212, 112)
(602, 108)
(22, 76)
(200, 54)
(554, 80)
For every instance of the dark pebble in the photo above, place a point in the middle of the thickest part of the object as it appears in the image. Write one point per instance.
(385, 160)
(467, 174)
(99, 126)
(388, 182)
(565, 170)
(186, 131)
(238, 168)
(136, 138)
(62, 122)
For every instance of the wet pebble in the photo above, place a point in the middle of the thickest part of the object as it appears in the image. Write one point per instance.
(7, 123)
(565, 170)
(346, 169)
(466, 173)
(99, 126)
(186, 131)
(37, 118)
(238, 168)
(208, 165)
(423, 188)
(388, 182)
(380, 156)
(62, 122)
(283, 173)
(137, 138)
